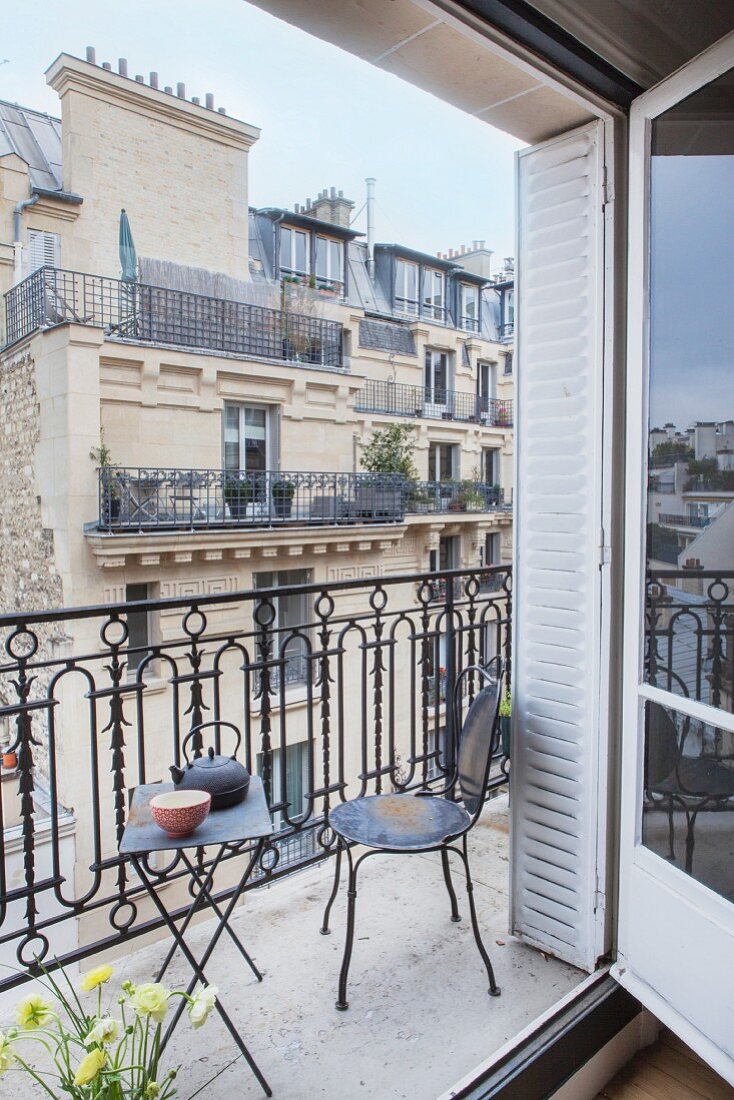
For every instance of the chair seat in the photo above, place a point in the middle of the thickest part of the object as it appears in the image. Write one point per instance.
(404, 822)
(698, 777)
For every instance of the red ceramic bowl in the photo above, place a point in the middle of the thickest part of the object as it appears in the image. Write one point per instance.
(178, 813)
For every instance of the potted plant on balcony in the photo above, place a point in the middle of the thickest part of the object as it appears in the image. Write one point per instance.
(283, 492)
(471, 498)
(389, 452)
(109, 481)
(237, 494)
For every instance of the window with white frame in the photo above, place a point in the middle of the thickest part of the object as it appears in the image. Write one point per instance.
(247, 438)
(490, 469)
(508, 363)
(294, 251)
(290, 631)
(443, 461)
(434, 294)
(329, 260)
(406, 286)
(469, 307)
(44, 250)
(436, 376)
(288, 782)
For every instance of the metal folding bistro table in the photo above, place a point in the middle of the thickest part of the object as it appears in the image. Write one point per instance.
(228, 830)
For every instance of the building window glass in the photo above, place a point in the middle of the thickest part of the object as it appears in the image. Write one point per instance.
(246, 438)
(508, 363)
(436, 377)
(293, 251)
(138, 628)
(433, 294)
(406, 286)
(469, 307)
(443, 462)
(329, 260)
(295, 762)
(290, 632)
(490, 466)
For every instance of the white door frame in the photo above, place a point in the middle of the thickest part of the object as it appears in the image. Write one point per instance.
(644, 875)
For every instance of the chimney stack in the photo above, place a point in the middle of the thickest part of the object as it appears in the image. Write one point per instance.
(181, 90)
(209, 101)
(91, 55)
(122, 66)
(153, 80)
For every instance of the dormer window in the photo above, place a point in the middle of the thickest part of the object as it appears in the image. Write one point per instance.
(293, 251)
(469, 307)
(329, 260)
(406, 286)
(434, 291)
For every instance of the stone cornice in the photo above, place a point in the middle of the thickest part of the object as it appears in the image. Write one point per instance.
(69, 73)
(183, 547)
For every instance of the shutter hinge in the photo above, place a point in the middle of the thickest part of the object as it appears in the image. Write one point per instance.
(599, 901)
(605, 550)
(607, 188)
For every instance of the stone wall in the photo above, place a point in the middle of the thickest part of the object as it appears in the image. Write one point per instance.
(28, 574)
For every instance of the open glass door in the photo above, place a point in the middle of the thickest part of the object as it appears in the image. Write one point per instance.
(676, 921)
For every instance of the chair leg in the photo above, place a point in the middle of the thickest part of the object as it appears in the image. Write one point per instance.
(325, 930)
(671, 832)
(342, 1003)
(494, 989)
(455, 914)
(690, 841)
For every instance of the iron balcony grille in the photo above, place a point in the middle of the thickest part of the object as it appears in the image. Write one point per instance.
(678, 519)
(135, 498)
(399, 399)
(152, 314)
(382, 660)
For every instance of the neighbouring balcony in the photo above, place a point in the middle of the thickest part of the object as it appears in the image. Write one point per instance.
(152, 314)
(399, 399)
(678, 519)
(150, 498)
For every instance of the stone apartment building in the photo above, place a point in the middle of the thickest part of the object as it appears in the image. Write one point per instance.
(230, 388)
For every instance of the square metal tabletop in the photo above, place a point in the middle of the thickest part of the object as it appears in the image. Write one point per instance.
(248, 820)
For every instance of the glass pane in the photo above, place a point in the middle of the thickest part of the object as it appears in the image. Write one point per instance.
(321, 258)
(690, 514)
(689, 796)
(336, 252)
(285, 249)
(301, 258)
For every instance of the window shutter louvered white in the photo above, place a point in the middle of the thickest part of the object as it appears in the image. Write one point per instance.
(555, 801)
(43, 250)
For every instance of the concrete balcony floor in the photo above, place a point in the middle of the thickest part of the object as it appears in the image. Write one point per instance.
(419, 1017)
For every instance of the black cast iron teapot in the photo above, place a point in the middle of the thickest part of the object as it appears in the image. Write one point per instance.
(225, 779)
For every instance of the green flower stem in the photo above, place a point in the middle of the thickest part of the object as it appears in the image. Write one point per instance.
(36, 1077)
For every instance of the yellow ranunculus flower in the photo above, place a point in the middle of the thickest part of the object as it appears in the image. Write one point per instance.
(151, 999)
(98, 976)
(33, 1012)
(7, 1057)
(90, 1066)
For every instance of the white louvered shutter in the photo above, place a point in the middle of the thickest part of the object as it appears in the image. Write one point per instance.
(43, 250)
(557, 592)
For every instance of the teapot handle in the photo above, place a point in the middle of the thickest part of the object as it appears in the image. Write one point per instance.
(205, 725)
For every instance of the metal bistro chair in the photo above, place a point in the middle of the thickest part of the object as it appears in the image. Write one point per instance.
(425, 820)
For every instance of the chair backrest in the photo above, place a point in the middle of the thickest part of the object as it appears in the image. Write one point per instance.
(662, 749)
(479, 736)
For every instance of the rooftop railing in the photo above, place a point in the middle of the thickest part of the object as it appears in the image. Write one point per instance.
(136, 498)
(153, 314)
(92, 713)
(399, 399)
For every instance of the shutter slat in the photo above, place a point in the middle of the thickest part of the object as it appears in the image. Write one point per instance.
(557, 515)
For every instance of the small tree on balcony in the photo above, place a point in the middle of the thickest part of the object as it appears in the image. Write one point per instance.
(390, 451)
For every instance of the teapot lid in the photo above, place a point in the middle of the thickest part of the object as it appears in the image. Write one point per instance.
(211, 761)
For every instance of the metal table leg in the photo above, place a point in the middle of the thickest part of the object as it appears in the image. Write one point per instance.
(197, 966)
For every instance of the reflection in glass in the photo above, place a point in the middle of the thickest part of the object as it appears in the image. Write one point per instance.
(688, 806)
(690, 520)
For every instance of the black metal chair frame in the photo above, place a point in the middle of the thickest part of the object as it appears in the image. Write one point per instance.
(448, 844)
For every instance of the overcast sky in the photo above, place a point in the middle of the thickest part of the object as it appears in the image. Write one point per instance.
(328, 119)
(692, 319)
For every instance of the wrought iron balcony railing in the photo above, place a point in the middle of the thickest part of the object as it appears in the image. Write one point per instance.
(399, 399)
(679, 519)
(153, 314)
(134, 498)
(689, 633)
(92, 714)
